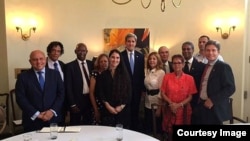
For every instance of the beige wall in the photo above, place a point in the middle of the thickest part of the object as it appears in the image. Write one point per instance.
(83, 21)
(4, 83)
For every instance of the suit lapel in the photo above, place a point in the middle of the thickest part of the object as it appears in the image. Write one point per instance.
(126, 61)
(35, 79)
(213, 71)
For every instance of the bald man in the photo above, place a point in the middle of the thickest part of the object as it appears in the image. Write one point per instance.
(40, 94)
(77, 87)
(163, 51)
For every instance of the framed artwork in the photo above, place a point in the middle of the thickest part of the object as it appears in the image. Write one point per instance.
(20, 70)
(115, 38)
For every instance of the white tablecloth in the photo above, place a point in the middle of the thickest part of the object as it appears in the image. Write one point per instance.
(88, 133)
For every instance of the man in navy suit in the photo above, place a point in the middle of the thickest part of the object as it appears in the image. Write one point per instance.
(54, 51)
(195, 69)
(77, 87)
(217, 85)
(136, 72)
(41, 104)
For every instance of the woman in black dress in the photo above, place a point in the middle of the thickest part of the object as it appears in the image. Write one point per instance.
(100, 65)
(115, 91)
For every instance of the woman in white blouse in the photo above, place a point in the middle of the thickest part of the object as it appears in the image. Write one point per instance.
(152, 82)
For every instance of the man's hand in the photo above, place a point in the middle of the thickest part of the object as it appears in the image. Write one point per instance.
(208, 103)
(47, 115)
(40, 116)
(75, 109)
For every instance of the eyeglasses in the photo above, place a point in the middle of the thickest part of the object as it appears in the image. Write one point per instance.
(177, 63)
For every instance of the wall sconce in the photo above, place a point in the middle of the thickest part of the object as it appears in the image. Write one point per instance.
(25, 37)
(225, 35)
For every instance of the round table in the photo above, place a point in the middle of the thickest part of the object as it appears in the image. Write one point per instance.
(88, 133)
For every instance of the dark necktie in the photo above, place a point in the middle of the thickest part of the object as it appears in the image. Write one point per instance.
(56, 66)
(85, 73)
(41, 79)
(186, 68)
(131, 62)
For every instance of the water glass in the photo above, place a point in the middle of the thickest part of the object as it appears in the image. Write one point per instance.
(53, 131)
(119, 132)
(27, 137)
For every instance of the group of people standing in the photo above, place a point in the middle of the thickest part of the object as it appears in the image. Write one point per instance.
(104, 92)
(189, 89)
(194, 91)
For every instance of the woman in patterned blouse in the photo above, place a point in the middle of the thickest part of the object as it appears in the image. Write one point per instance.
(100, 65)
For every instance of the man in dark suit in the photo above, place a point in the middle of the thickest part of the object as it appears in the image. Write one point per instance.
(136, 72)
(54, 51)
(195, 69)
(163, 51)
(217, 85)
(40, 94)
(77, 87)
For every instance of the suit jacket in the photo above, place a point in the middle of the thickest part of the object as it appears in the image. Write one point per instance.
(61, 63)
(31, 98)
(170, 65)
(137, 78)
(196, 70)
(74, 82)
(220, 87)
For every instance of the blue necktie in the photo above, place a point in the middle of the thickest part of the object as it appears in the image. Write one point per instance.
(56, 66)
(131, 59)
(41, 79)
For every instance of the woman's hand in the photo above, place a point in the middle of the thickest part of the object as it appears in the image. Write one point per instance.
(111, 109)
(174, 106)
(118, 109)
(97, 116)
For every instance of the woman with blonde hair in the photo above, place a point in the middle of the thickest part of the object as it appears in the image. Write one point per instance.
(152, 82)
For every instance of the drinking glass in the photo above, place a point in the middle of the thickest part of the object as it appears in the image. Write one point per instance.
(53, 131)
(119, 132)
(27, 137)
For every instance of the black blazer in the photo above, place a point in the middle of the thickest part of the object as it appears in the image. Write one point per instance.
(220, 87)
(31, 98)
(170, 65)
(137, 78)
(196, 70)
(61, 63)
(74, 82)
